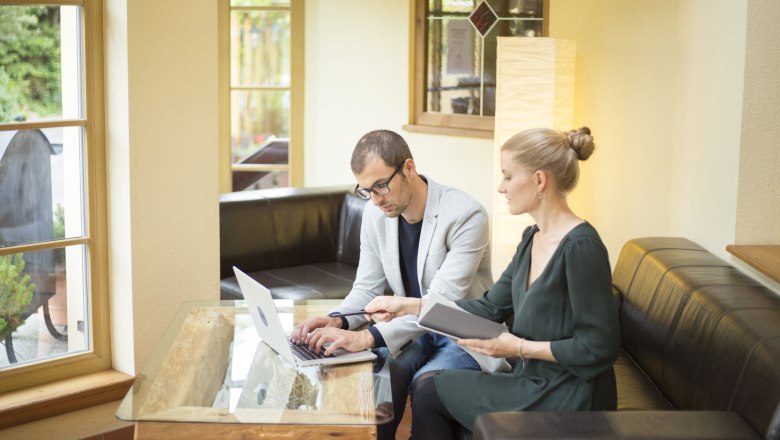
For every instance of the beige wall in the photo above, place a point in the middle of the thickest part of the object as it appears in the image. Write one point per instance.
(758, 196)
(758, 214)
(660, 84)
(357, 80)
(662, 93)
(707, 112)
(162, 166)
(683, 106)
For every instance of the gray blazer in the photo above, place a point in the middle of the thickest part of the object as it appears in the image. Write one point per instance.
(453, 259)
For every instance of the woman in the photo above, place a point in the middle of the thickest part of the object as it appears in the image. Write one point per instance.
(558, 287)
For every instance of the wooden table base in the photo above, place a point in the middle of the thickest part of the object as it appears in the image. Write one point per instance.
(180, 430)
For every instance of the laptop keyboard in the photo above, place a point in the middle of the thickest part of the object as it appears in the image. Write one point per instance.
(303, 351)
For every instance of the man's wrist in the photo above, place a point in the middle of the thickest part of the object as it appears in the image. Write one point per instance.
(368, 338)
(339, 322)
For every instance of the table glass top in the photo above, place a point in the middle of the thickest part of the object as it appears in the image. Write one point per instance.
(211, 366)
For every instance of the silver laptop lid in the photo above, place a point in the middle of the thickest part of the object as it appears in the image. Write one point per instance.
(264, 315)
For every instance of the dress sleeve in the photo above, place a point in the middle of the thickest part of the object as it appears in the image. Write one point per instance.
(595, 339)
(496, 304)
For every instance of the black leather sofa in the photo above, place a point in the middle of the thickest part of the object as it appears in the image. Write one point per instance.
(301, 243)
(700, 355)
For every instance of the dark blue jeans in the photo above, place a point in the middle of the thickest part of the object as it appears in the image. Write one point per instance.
(430, 352)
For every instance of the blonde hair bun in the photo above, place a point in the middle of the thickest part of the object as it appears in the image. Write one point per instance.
(581, 142)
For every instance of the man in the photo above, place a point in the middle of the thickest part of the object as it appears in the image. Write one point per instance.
(416, 236)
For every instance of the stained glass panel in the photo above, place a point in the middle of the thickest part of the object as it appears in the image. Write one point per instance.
(461, 48)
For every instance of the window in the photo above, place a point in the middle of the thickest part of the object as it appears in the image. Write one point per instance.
(453, 65)
(53, 297)
(264, 59)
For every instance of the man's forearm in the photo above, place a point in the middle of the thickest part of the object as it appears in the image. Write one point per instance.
(368, 338)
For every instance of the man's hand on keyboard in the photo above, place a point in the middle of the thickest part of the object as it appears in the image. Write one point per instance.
(346, 339)
(303, 329)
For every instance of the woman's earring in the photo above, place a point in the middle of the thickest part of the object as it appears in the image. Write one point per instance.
(539, 195)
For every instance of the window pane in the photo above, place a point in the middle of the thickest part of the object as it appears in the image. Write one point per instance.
(454, 66)
(451, 7)
(259, 2)
(248, 180)
(40, 63)
(47, 319)
(260, 48)
(41, 185)
(258, 117)
(513, 28)
(518, 8)
(503, 8)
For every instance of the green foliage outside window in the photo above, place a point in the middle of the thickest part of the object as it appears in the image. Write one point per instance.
(59, 221)
(16, 293)
(59, 232)
(29, 61)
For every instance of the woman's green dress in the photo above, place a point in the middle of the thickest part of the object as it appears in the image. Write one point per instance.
(569, 304)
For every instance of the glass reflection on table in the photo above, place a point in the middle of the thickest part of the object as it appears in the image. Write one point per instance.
(231, 376)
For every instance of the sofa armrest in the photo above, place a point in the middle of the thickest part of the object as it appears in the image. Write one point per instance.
(613, 425)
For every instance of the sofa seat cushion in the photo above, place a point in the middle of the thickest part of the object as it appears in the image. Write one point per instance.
(330, 280)
(614, 425)
(634, 388)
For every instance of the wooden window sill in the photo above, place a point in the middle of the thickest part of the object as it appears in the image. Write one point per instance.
(449, 131)
(764, 258)
(52, 399)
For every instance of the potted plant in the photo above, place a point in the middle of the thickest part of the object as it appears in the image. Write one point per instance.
(16, 293)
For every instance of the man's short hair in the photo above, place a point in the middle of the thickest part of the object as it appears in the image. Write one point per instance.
(388, 145)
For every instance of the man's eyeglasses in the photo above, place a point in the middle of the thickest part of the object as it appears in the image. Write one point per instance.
(380, 189)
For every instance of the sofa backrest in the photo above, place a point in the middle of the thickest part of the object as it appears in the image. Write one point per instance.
(350, 220)
(281, 227)
(706, 334)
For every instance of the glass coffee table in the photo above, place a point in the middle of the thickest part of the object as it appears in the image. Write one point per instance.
(211, 375)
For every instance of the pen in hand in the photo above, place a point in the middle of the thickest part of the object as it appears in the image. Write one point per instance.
(362, 312)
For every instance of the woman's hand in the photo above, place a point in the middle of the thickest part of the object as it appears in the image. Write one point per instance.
(385, 308)
(506, 345)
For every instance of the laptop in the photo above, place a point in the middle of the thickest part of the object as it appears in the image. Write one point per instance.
(269, 327)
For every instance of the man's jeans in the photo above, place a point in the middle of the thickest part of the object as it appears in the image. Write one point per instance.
(430, 352)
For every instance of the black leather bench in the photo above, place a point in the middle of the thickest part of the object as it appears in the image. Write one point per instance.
(700, 355)
(301, 243)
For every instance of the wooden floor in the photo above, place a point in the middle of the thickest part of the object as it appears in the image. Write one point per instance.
(404, 430)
